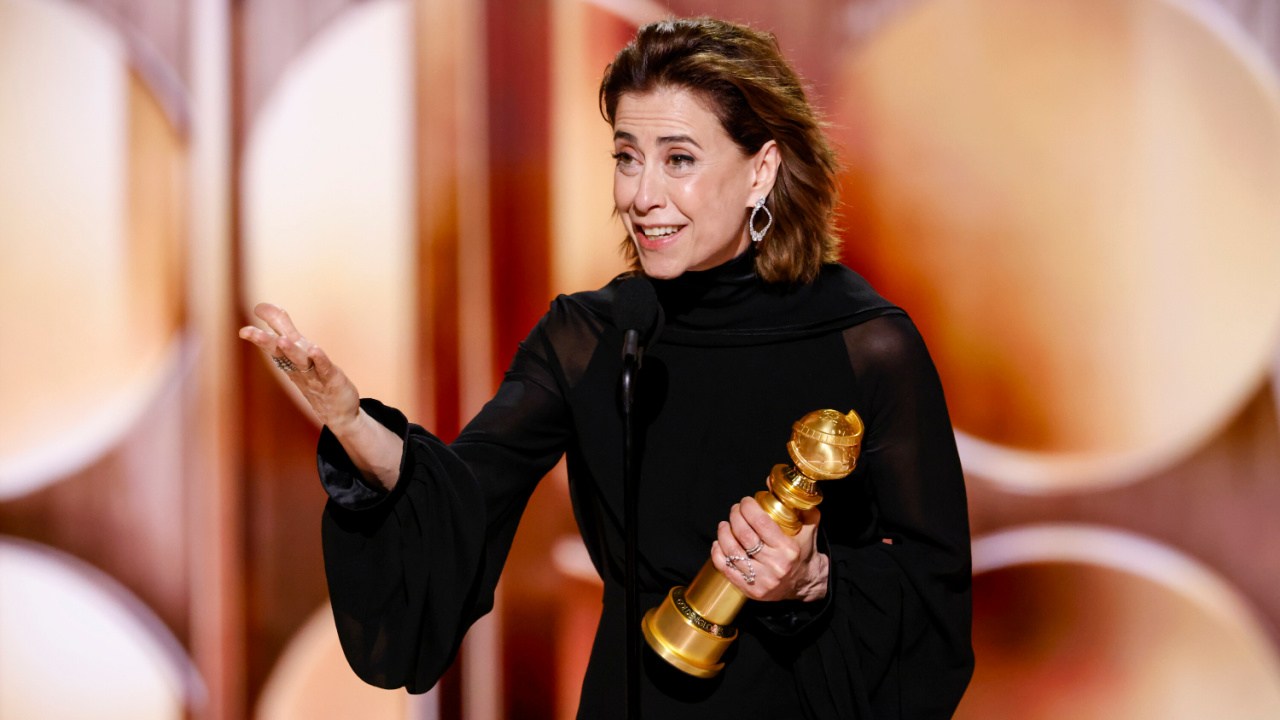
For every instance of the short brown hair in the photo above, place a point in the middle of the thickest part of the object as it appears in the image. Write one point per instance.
(741, 75)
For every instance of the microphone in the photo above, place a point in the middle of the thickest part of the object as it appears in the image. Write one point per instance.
(637, 313)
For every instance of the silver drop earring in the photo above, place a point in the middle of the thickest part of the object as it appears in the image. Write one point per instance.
(758, 235)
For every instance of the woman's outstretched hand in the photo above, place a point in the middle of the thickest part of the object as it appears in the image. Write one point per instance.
(327, 389)
(374, 449)
(780, 566)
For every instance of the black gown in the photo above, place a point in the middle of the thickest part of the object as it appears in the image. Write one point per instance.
(409, 571)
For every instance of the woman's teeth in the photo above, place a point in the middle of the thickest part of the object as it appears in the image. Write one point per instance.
(661, 231)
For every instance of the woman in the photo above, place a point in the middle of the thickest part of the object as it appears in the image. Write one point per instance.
(726, 186)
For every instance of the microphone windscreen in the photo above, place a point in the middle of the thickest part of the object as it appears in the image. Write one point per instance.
(635, 307)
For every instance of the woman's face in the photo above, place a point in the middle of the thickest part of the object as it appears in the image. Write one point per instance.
(682, 186)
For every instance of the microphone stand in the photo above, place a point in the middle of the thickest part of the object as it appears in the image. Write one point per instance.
(631, 356)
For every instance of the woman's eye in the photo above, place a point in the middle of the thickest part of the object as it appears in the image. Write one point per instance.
(623, 158)
(681, 160)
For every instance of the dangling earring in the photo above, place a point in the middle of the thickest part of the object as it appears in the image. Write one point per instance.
(758, 235)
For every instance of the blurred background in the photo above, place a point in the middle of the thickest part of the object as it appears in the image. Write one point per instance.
(1078, 201)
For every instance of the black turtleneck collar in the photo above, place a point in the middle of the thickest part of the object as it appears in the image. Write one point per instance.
(729, 305)
(723, 285)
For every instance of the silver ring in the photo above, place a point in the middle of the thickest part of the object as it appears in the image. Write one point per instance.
(287, 365)
(756, 549)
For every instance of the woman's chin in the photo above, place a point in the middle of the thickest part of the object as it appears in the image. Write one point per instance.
(662, 268)
(661, 265)
(664, 274)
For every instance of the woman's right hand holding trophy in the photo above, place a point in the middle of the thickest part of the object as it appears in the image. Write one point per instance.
(692, 628)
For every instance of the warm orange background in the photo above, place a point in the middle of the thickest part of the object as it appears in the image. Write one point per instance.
(1078, 202)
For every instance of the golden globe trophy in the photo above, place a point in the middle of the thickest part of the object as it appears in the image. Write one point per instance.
(691, 628)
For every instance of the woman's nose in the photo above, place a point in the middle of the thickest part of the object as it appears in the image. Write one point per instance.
(651, 193)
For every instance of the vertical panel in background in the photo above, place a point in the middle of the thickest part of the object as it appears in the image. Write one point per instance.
(517, 38)
(518, 55)
(455, 289)
(91, 214)
(213, 450)
(328, 231)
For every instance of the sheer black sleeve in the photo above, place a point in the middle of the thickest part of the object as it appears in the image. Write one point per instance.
(894, 638)
(410, 570)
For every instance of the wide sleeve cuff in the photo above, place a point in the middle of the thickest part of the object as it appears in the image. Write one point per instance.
(340, 477)
(849, 661)
(406, 575)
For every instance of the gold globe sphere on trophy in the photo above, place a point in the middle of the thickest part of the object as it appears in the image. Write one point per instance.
(691, 629)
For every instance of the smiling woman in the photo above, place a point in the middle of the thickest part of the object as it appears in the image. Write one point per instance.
(683, 199)
(722, 129)
(726, 186)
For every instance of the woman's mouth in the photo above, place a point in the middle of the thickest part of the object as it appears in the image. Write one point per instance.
(654, 237)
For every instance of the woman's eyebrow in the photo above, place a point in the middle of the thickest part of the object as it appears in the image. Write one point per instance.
(664, 140)
(673, 139)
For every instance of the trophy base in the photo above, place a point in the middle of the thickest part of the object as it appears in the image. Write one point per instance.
(683, 638)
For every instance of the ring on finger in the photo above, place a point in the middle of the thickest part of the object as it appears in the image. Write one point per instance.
(756, 549)
(748, 577)
(288, 365)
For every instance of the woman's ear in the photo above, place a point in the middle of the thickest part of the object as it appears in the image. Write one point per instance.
(764, 171)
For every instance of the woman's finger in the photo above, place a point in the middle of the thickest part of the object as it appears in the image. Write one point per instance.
(762, 524)
(294, 352)
(266, 341)
(731, 574)
(277, 319)
(717, 559)
(747, 538)
(304, 350)
(728, 542)
(807, 538)
(320, 361)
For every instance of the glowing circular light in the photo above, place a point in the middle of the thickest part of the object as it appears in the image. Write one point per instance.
(1075, 621)
(1079, 204)
(75, 644)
